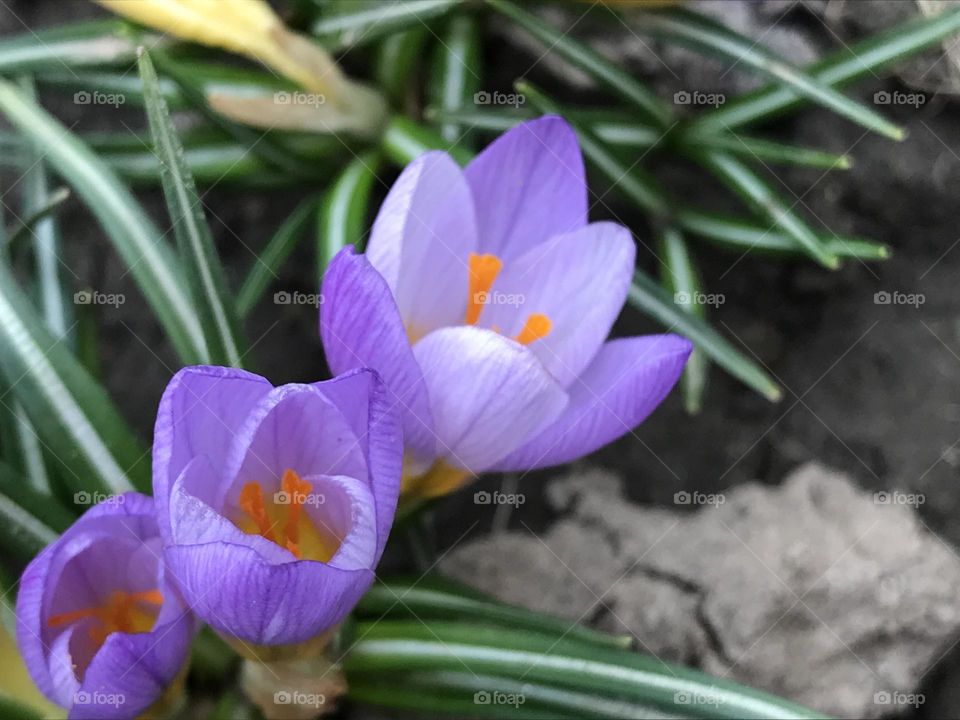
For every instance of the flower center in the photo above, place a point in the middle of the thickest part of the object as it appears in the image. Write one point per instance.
(283, 521)
(122, 612)
(482, 270)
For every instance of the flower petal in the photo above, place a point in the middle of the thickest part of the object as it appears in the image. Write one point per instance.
(239, 594)
(488, 394)
(361, 327)
(621, 387)
(201, 410)
(420, 242)
(372, 412)
(528, 185)
(579, 281)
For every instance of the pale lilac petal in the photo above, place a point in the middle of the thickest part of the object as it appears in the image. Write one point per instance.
(579, 281)
(621, 387)
(349, 511)
(528, 185)
(239, 594)
(361, 327)
(488, 394)
(199, 413)
(426, 229)
(371, 412)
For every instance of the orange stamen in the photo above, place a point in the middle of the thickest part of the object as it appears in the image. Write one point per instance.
(537, 326)
(482, 270)
(296, 489)
(116, 614)
(251, 502)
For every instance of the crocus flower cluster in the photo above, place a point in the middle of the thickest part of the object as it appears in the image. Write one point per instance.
(484, 299)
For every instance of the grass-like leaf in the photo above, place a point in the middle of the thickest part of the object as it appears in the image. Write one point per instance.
(840, 68)
(204, 273)
(457, 70)
(274, 254)
(651, 299)
(133, 234)
(680, 278)
(704, 35)
(404, 140)
(74, 417)
(39, 503)
(98, 43)
(22, 534)
(352, 24)
(589, 60)
(343, 213)
(397, 59)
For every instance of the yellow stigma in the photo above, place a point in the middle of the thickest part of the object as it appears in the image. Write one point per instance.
(482, 270)
(282, 520)
(122, 612)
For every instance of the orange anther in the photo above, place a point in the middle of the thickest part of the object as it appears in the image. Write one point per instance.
(482, 270)
(537, 326)
(251, 502)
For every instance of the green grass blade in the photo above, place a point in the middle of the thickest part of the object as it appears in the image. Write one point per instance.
(840, 68)
(589, 60)
(680, 278)
(205, 276)
(41, 504)
(651, 299)
(44, 207)
(134, 236)
(354, 24)
(265, 268)
(457, 70)
(73, 416)
(396, 61)
(343, 214)
(85, 44)
(22, 534)
(740, 236)
(739, 178)
(758, 149)
(698, 33)
(404, 140)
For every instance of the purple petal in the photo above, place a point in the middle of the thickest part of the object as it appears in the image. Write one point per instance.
(200, 412)
(361, 327)
(528, 185)
(240, 595)
(579, 281)
(488, 394)
(373, 415)
(420, 242)
(621, 387)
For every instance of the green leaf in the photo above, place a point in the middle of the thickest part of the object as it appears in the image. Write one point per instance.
(650, 299)
(134, 236)
(73, 416)
(734, 233)
(598, 67)
(40, 504)
(756, 149)
(343, 214)
(436, 598)
(703, 35)
(22, 534)
(457, 70)
(396, 62)
(405, 140)
(46, 207)
(383, 649)
(351, 24)
(846, 65)
(98, 43)
(205, 276)
(766, 202)
(680, 278)
(265, 267)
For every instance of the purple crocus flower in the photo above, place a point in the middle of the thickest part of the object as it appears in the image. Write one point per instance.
(274, 503)
(484, 300)
(100, 626)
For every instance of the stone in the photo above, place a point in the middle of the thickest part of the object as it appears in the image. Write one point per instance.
(814, 590)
